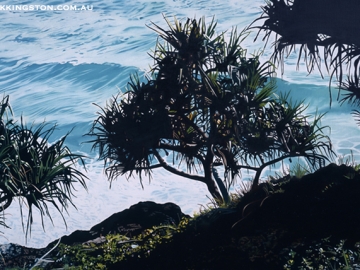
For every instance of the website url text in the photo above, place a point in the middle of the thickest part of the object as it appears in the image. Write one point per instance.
(45, 7)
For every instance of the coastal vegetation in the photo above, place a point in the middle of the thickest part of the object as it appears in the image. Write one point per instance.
(208, 107)
(323, 33)
(288, 223)
(33, 171)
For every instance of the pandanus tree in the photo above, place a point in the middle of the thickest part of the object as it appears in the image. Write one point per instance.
(34, 171)
(208, 106)
(322, 32)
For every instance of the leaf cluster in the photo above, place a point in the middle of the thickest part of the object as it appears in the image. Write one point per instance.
(329, 38)
(33, 170)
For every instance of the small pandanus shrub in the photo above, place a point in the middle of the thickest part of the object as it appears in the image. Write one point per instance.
(34, 171)
(208, 106)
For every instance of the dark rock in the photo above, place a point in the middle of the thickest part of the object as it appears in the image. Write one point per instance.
(269, 221)
(130, 222)
(138, 217)
(317, 205)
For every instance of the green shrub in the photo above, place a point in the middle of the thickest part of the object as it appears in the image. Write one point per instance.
(119, 248)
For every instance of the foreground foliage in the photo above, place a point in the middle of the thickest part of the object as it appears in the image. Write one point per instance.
(33, 171)
(119, 248)
(207, 106)
(289, 223)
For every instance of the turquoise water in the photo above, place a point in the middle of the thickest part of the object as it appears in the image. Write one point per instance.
(56, 64)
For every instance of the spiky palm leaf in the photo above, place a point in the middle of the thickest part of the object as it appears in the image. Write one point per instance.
(35, 171)
(351, 87)
(326, 38)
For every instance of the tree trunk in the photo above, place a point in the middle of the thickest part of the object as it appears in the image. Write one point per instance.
(213, 189)
(209, 180)
(221, 186)
(256, 181)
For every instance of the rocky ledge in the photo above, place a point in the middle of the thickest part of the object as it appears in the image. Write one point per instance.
(130, 222)
(310, 222)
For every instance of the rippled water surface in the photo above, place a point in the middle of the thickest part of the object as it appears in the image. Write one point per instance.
(56, 64)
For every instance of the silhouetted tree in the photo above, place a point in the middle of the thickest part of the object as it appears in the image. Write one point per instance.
(209, 105)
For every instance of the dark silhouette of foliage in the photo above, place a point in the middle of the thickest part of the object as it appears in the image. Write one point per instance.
(322, 30)
(210, 106)
(34, 171)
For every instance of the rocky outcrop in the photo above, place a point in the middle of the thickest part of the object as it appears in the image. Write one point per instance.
(130, 222)
(309, 215)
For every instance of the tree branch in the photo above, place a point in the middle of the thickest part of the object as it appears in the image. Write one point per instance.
(166, 166)
(179, 149)
(259, 169)
(266, 164)
(151, 167)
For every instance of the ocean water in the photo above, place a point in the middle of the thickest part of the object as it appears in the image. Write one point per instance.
(56, 64)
